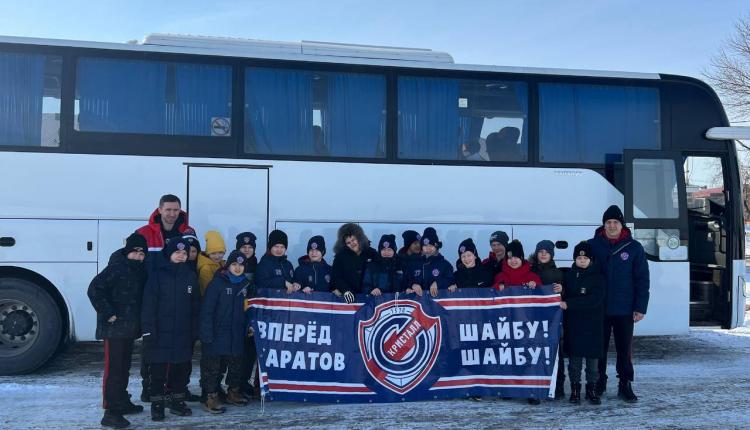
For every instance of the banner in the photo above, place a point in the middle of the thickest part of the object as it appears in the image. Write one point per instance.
(399, 347)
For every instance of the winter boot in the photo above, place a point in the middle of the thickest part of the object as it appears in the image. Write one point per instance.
(157, 410)
(235, 397)
(601, 385)
(560, 391)
(213, 405)
(190, 397)
(145, 395)
(177, 406)
(533, 401)
(575, 393)
(625, 392)
(129, 407)
(591, 395)
(114, 420)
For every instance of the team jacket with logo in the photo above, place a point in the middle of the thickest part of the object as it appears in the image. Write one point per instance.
(223, 325)
(433, 269)
(273, 272)
(314, 275)
(385, 274)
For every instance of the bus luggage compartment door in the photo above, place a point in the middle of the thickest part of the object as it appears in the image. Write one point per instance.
(229, 199)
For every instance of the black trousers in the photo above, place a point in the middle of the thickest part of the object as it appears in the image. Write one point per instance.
(622, 327)
(575, 366)
(145, 378)
(117, 356)
(212, 369)
(248, 362)
(169, 379)
(560, 366)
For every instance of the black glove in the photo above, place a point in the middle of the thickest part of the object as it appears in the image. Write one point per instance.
(349, 297)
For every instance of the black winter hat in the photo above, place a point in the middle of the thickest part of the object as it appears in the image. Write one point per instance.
(500, 236)
(317, 242)
(387, 241)
(514, 249)
(583, 249)
(430, 237)
(134, 242)
(613, 212)
(176, 244)
(546, 245)
(467, 245)
(236, 257)
(410, 236)
(246, 238)
(192, 238)
(277, 237)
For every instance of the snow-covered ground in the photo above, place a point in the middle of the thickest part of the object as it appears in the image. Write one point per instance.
(698, 380)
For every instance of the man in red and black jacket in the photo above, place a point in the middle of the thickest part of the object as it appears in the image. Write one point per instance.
(166, 222)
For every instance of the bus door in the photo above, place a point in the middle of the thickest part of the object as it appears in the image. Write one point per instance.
(655, 208)
(709, 218)
(230, 199)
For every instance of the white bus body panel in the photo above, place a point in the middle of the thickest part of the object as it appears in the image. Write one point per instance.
(739, 293)
(306, 198)
(48, 240)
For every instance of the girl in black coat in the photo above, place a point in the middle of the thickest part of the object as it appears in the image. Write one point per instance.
(583, 295)
(116, 295)
(171, 307)
(353, 252)
(470, 273)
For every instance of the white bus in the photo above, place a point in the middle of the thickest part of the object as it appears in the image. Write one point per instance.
(305, 136)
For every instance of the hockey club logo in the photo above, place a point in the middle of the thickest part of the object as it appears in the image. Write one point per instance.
(313, 245)
(399, 344)
(240, 260)
(181, 246)
(386, 244)
(426, 241)
(624, 256)
(462, 249)
(247, 239)
(435, 272)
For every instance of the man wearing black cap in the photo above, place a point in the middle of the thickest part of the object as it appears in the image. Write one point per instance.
(116, 294)
(498, 244)
(623, 262)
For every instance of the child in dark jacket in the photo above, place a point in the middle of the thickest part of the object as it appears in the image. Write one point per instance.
(246, 245)
(116, 295)
(223, 332)
(313, 273)
(384, 274)
(583, 295)
(169, 320)
(516, 270)
(435, 272)
(274, 269)
(470, 273)
(543, 264)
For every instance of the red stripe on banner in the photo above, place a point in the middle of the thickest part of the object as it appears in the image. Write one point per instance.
(500, 301)
(493, 381)
(305, 305)
(299, 387)
(106, 373)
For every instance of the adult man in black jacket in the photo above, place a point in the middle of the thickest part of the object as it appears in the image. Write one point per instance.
(116, 295)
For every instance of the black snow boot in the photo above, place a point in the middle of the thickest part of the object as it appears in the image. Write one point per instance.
(114, 420)
(575, 393)
(625, 392)
(601, 385)
(157, 410)
(533, 401)
(129, 407)
(145, 395)
(591, 395)
(559, 391)
(179, 407)
(190, 397)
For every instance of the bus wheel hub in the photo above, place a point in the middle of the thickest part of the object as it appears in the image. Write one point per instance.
(18, 323)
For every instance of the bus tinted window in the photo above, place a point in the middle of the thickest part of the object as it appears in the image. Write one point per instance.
(30, 99)
(594, 123)
(128, 96)
(460, 119)
(300, 112)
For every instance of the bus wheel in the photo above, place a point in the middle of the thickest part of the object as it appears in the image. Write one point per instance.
(30, 326)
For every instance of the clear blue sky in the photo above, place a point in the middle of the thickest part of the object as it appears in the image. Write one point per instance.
(648, 36)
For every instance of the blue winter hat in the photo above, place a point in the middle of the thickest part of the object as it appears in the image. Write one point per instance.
(176, 244)
(546, 245)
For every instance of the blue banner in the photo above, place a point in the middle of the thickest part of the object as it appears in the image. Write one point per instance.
(401, 347)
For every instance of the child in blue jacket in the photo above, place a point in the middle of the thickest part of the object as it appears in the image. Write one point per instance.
(435, 273)
(313, 272)
(384, 273)
(274, 269)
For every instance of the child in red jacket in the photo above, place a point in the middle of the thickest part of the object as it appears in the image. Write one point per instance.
(516, 270)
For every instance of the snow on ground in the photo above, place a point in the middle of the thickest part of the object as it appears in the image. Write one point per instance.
(697, 380)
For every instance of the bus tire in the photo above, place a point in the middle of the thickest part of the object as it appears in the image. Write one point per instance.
(30, 326)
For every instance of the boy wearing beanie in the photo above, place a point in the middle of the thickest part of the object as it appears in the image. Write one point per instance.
(313, 273)
(498, 243)
(195, 248)
(516, 270)
(246, 245)
(274, 269)
(169, 319)
(210, 260)
(583, 295)
(384, 274)
(223, 332)
(434, 273)
(116, 293)
(469, 272)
